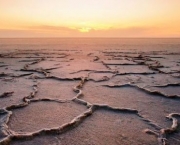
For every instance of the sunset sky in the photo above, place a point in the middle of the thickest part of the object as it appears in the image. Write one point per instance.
(89, 18)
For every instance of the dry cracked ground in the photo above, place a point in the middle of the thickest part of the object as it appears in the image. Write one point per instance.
(75, 97)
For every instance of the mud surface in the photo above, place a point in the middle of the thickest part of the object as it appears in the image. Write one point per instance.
(97, 97)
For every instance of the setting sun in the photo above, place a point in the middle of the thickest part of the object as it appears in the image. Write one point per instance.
(84, 29)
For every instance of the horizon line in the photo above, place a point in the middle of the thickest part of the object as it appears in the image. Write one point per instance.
(90, 37)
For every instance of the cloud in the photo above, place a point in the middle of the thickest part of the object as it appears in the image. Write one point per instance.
(50, 28)
(59, 31)
(10, 33)
(13, 33)
(125, 32)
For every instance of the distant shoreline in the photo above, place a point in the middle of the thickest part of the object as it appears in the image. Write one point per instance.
(90, 38)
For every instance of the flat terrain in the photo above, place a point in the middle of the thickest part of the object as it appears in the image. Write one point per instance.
(89, 97)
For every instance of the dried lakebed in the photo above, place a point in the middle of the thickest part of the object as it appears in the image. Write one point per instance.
(64, 97)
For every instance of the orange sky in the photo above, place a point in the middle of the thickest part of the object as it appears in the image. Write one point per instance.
(89, 18)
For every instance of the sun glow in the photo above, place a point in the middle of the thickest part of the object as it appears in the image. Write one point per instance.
(84, 29)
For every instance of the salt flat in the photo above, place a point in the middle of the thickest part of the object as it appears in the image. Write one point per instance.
(89, 96)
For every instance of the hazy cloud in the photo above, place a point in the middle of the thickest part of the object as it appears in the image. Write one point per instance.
(59, 31)
(50, 28)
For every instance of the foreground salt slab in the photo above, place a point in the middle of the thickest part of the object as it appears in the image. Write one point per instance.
(59, 89)
(39, 115)
(18, 87)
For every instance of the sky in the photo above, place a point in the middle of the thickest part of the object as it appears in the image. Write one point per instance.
(89, 18)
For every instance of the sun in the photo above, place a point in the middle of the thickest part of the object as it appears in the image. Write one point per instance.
(85, 29)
